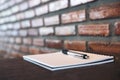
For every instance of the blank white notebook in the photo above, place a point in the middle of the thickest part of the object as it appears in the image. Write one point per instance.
(59, 61)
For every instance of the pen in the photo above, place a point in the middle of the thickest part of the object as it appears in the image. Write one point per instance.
(75, 53)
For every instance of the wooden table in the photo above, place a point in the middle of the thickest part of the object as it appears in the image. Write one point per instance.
(18, 69)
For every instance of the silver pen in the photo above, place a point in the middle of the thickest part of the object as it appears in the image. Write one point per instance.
(75, 53)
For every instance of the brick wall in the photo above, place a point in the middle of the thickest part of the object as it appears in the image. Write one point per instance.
(42, 26)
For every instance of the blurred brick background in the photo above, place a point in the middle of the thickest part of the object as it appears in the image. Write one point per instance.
(42, 26)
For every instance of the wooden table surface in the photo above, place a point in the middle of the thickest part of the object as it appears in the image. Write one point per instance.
(18, 69)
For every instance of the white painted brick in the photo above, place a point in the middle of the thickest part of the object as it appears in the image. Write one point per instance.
(23, 33)
(46, 31)
(25, 24)
(41, 10)
(16, 25)
(15, 9)
(65, 30)
(29, 14)
(37, 22)
(58, 5)
(20, 16)
(23, 6)
(78, 2)
(43, 1)
(53, 20)
(33, 3)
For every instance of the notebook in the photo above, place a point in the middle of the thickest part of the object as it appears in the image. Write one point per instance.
(59, 61)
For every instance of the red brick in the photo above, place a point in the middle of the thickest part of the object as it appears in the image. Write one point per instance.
(65, 30)
(33, 3)
(38, 42)
(46, 31)
(41, 10)
(23, 33)
(25, 24)
(105, 47)
(78, 2)
(15, 54)
(37, 22)
(94, 29)
(23, 6)
(117, 28)
(75, 45)
(58, 5)
(24, 49)
(18, 40)
(52, 20)
(34, 50)
(29, 14)
(27, 41)
(54, 44)
(105, 11)
(76, 16)
(33, 32)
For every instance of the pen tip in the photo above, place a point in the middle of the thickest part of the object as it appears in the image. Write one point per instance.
(85, 57)
(64, 51)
